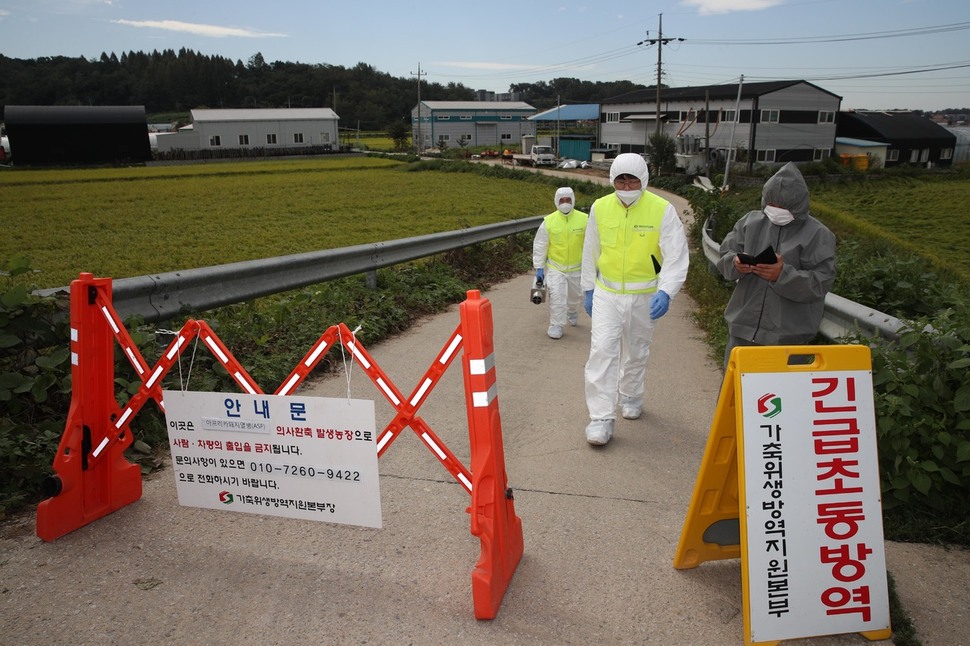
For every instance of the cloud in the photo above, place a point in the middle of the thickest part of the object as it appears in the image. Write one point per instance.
(213, 31)
(708, 7)
(3, 13)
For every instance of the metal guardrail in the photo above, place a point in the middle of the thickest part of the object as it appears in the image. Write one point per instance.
(160, 297)
(842, 316)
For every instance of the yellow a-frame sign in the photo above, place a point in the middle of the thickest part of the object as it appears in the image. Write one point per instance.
(793, 445)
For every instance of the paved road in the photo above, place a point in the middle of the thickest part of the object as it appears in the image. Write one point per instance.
(600, 528)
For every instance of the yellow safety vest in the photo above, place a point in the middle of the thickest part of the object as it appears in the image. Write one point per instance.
(628, 239)
(566, 235)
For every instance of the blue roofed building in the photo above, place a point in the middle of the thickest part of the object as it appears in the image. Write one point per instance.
(571, 129)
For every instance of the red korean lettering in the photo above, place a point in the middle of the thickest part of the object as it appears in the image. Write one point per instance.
(845, 568)
(835, 515)
(837, 598)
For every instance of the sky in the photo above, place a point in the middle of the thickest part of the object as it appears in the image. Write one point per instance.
(875, 54)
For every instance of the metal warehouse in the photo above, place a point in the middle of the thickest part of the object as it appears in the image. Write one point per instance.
(274, 128)
(912, 138)
(58, 135)
(474, 123)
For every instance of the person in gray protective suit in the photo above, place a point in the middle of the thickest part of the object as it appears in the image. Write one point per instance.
(779, 301)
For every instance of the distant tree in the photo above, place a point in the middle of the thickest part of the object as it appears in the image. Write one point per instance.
(257, 62)
(661, 150)
(400, 133)
(175, 81)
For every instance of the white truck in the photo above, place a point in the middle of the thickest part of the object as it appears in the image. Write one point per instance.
(538, 156)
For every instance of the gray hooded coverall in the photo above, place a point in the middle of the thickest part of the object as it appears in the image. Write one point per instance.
(789, 310)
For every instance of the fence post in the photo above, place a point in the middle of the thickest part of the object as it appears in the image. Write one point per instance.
(492, 509)
(84, 490)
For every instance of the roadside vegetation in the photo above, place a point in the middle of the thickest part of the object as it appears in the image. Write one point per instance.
(124, 222)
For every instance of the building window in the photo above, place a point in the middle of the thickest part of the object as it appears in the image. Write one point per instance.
(298, 137)
(465, 137)
(215, 140)
(765, 155)
(892, 155)
(675, 116)
(913, 156)
(924, 155)
(443, 118)
(612, 117)
(821, 153)
(769, 116)
(506, 117)
(325, 137)
(729, 116)
(444, 138)
(465, 117)
(243, 140)
(506, 136)
(946, 153)
(271, 139)
(826, 116)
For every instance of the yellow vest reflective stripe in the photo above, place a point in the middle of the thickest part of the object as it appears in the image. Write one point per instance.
(628, 239)
(566, 234)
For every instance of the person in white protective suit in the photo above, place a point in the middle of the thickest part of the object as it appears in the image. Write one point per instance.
(557, 256)
(635, 260)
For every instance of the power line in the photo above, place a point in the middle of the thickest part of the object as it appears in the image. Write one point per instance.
(844, 77)
(802, 40)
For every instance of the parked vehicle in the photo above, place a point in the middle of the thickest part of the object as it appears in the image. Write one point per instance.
(537, 156)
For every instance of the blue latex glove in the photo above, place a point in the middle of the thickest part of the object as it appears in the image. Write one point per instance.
(541, 274)
(659, 304)
(588, 304)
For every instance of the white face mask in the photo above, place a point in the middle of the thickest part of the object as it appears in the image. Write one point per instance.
(778, 215)
(629, 197)
(565, 208)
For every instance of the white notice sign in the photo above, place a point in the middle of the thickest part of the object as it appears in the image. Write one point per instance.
(313, 458)
(816, 563)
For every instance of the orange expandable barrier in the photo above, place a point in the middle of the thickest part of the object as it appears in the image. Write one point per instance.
(93, 478)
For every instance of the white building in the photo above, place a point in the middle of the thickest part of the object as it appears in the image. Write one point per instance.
(256, 128)
(772, 122)
(477, 123)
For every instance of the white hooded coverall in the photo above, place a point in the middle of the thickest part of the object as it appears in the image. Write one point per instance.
(622, 328)
(561, 281)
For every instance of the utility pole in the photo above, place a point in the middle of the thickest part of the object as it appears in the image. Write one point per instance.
(659, 41)
(558, 101)
(419, 74)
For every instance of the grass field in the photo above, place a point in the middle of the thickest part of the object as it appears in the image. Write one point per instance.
(924, 215)
(134, 221)
(385, 144)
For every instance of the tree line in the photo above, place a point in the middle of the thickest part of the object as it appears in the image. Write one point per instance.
(175, 82)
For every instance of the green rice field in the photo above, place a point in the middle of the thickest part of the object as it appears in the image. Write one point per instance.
(117, 222)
